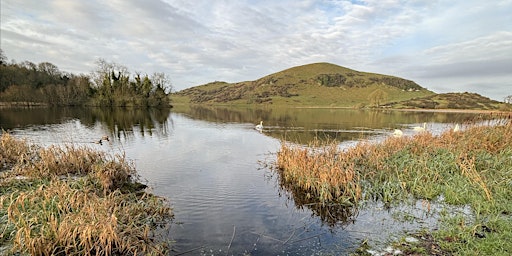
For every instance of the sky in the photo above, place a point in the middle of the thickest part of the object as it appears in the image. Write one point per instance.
(443, 45)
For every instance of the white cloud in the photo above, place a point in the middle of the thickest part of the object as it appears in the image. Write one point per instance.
(488, 47)
(202, 41)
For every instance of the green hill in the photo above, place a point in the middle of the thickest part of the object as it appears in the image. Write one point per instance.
(314, 85)
(464, 100)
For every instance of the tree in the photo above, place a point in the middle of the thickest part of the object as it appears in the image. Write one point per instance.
(106, 69)
(49, 69)
(162, 80)
(3, 58)
(29, 65)
(508, 99)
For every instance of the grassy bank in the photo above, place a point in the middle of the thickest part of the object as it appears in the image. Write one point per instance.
(471, 168)
(75, 201)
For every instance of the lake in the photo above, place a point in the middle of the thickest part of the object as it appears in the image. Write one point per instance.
(216, 170)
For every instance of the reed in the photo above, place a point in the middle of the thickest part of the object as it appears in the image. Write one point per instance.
(320, 172)
(396, 165)
(75, 201)
(13, 151)
(469, 167)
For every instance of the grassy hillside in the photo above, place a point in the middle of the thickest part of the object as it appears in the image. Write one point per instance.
(452, 101)
(319, 84)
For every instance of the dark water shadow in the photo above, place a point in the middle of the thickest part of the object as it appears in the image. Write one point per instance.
(123, 122)
(332, 214)
(119, 122)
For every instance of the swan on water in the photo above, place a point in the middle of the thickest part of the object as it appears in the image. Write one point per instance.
(259, 127)
(457, 128)
(419, 128)
(398, 133)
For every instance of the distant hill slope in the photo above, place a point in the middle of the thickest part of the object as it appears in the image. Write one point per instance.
(464, 100)
(318, 84)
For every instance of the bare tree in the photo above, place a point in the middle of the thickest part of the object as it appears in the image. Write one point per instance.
(105, 68)
(3, 58)
(508, 99)
(162, 80)
(49, 68)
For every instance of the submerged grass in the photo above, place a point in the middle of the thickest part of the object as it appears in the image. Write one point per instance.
(75, 201)
(472, 167)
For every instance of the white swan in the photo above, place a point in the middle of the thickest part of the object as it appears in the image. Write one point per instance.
(398, 133)
(259, 127)
(419, 128)
(457, 128)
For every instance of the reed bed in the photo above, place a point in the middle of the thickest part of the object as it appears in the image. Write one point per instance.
(471, 167)
(320, 171)
(76, 201)
(422, 165)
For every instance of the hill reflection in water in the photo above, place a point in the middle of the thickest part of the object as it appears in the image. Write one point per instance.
(303, 125)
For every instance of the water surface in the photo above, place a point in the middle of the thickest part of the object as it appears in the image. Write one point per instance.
(213, 166)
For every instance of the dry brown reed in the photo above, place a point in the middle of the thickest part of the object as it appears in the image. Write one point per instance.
(411, 162)
(71, 201)
(13, 151)
(59, 219)
(468, 169)
(112, 172)
(320, 171)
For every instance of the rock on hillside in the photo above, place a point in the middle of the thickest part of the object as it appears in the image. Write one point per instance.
(464, 100)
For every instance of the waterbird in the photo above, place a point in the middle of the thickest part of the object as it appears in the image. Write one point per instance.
(419, 128)
(398, 133)
(456, 129)
(259, 127)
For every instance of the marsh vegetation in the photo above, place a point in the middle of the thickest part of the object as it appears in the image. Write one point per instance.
(463, 168)
(69, 200)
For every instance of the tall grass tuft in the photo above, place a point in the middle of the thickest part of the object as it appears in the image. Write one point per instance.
(13, 151)
(321, 171)
(75, 201)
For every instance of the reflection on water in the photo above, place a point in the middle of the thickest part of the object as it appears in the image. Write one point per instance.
(207, 161)
(118, 122)
(303, 125)
(121, 122)
(334, 215)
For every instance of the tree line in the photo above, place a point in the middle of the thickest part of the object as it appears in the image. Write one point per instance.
(110, 84)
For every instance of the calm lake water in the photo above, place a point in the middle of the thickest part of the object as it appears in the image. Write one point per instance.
(213, 165)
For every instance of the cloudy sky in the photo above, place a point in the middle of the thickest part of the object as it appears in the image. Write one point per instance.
(445, 45)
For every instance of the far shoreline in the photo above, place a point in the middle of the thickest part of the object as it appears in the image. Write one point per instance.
(431, 110)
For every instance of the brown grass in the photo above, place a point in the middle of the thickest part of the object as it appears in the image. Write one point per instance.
(419, 165)
(75, 201)
(320, 171)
